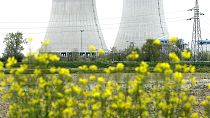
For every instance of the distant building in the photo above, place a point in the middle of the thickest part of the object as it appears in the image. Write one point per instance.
(73, 27)
(205, 45)
(141, 20)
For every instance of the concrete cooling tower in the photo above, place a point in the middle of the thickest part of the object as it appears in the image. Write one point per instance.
(73, 26)
(141, 20)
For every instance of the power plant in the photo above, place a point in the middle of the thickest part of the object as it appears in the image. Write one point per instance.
(73, 27)
(141, 20)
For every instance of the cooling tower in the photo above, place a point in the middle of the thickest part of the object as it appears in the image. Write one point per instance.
(141, 20)
(73, 26)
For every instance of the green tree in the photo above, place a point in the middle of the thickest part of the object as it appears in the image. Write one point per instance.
(14, 46)
(152, 52)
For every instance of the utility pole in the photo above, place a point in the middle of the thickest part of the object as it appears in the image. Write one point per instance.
(81, 38)
(196, 45)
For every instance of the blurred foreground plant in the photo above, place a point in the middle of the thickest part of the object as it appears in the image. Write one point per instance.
(162, 94)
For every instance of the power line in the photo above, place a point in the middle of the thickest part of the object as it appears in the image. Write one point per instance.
(92, 29)
(64, 26)
(91, 19)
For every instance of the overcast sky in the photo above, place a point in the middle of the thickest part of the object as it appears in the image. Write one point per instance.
(18, 15)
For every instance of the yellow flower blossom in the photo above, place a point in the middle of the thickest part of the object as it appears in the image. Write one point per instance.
(46, 42)
(93, 68)
(107, 71)
(120, 66)
(30, 39)
(76, 89)
(21, 92)
(143, 68)
(53, 70)
(186, 54)
(69, 112)
(193, 81)
(133, 56)
(194, 115)
(83, 68)
(64, 71)
(145, 114)
(10, 79)
(208, 97)
(3, 84)
(174, 58)
(96, 106)
(162, 105)
(83, 81)
(162, 67)
(209, 86)
(173, 40)
(42, 82)
(96, 94)
(178, 76)
(1, 65)
(10, 62)
(53, 57)
(21, 69)
(101, 80)
(101, 52)
(37, 72)
(92, 48)
(156, 42)
(205, 103)
(92, 77)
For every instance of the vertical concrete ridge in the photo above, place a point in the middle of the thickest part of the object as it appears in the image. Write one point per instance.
(73, 26)
(141, 20)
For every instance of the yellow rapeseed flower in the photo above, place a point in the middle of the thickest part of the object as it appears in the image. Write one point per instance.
(10, 62)
(37, 72)
(96, 106)
(92, 48)
(178, 76)
(120, 66)
(42, 82)
(173, 40)
(96, 94)
(3, 84)
(83, 68)
(174, 58)
(83, 81)
(64, 71)
(133, 56)
(93, 67)
(53, 70)
(53, 57)
(92, 77)
(186, 54)
(1, 65)
(193, 81)
(209, 86)
(76, 89)
(156, 42)
(101, 52)
(21, 69)
(208, 97)
(107, 71)
(30, 39)
(194, 115)
(46, 42)
(205, 103)
(101, 80)
(68, 112)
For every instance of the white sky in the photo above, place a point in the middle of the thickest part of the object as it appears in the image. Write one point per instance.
(109, 12)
